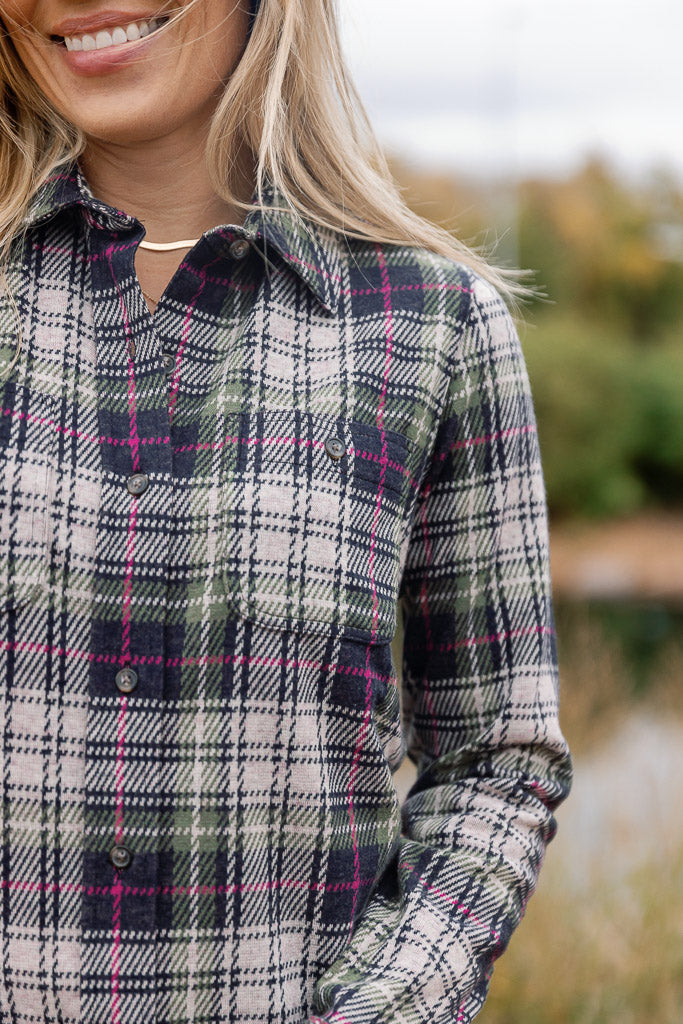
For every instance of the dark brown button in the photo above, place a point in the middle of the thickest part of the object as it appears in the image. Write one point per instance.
(168, 362)
(335, 448)
(137, 483)
(126, 680)
(121, 857)
(239, 248)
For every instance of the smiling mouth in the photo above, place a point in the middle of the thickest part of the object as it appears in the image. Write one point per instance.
(117, 35)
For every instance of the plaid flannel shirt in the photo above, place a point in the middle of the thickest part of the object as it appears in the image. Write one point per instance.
(208, 520)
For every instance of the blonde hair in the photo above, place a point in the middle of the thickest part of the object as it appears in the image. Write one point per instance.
(291, 101)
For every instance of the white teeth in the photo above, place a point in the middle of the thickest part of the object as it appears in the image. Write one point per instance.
(113, 37)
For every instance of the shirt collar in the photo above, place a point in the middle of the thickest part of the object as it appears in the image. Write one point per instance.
(312, 252)
(66, 188)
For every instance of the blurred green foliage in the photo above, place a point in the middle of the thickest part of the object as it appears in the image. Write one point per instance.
(610, 416)
(604, 346)
(605, 250)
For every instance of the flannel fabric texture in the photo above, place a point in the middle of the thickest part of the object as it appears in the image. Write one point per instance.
(209, 518)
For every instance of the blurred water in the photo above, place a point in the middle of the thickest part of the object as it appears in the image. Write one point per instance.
(626, 804)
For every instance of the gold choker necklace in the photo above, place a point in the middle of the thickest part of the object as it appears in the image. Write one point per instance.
(184, 243)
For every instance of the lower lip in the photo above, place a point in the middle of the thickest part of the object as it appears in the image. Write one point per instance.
(111, 58)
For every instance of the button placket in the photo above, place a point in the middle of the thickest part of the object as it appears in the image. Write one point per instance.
(118, 842)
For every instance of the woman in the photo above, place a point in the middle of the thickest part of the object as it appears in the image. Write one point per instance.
(208, 517)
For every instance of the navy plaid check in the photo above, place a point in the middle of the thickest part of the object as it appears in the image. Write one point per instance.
(209, 518)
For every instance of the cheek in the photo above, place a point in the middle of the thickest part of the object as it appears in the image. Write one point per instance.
(26, 43)
(16, 13)
(37, 64)
(17, 19)
(225, 41)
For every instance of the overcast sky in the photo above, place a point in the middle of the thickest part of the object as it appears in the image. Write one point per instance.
(518, 86)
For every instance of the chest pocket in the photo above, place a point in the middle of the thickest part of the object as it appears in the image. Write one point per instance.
(25, 476)
(314, 512)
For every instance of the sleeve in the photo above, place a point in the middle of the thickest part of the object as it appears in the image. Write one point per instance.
(480, 705)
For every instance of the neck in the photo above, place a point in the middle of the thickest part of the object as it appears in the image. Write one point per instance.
(164, 183)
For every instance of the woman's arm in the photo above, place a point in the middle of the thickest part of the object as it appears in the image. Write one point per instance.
(480, 686)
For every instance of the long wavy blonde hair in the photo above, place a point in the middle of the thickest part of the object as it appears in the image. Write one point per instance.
(291, 100)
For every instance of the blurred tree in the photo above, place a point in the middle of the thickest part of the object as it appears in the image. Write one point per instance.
(602, 248)
(596, 246)
(605, 359)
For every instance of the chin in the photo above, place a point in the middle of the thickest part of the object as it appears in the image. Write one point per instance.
(129, 127)
(121, 134)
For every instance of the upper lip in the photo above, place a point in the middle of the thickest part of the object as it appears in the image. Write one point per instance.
(102, 20)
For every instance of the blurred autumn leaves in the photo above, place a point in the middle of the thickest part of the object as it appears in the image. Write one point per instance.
(604, 349)
(613, 253)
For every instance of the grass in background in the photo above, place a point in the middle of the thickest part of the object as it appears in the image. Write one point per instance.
(612, 956)
(608, 950)
(617, 660)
